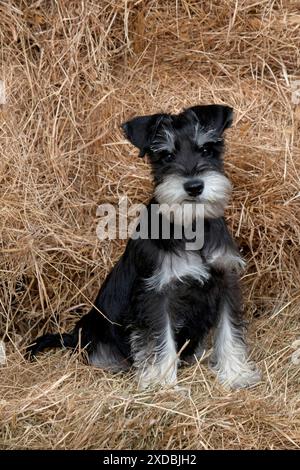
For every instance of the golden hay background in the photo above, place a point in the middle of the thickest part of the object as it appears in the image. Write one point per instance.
(73, 72)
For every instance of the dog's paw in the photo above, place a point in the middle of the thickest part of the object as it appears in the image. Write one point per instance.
(145, 383)
(248, 376)
(183, 391)
(162, 374)
(243, 376)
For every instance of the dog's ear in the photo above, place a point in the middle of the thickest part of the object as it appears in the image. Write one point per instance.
(141, 130)
(215, 116)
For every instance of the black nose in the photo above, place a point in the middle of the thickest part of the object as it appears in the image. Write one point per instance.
(194, 188)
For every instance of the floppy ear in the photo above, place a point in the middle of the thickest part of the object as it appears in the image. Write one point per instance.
(141, 130)
(215, 116)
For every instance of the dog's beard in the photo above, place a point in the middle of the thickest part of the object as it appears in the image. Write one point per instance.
(183, 213)
(215, 195)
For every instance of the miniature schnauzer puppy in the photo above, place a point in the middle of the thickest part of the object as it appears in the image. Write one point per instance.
(160, 301)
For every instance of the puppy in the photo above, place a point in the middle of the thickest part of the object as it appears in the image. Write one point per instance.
(160, 301)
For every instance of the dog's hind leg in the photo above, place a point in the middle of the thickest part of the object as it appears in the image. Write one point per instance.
(108, 356)
(95, 332)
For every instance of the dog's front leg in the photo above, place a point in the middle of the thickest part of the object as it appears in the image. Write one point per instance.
(230, 356)
(154, 353)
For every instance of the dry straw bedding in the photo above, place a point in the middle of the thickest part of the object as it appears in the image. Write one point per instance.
(73, 71)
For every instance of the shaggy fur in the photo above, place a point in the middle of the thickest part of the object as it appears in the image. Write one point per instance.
(161, 298)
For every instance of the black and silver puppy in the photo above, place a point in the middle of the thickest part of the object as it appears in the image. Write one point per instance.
(161, 298)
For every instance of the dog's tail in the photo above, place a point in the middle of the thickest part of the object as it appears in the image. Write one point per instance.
(66, 340)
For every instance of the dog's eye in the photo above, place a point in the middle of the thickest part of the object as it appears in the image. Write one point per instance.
(206, 151)
(169, 157)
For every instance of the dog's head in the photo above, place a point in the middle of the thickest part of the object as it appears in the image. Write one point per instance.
(185, 152)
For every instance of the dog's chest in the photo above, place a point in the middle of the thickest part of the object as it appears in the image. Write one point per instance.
(174, 267)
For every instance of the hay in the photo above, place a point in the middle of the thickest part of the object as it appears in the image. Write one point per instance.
(73, 71)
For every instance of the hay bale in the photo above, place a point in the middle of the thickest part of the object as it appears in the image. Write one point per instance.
(73, 71)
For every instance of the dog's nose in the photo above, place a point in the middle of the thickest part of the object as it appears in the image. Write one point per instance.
(194, 188)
